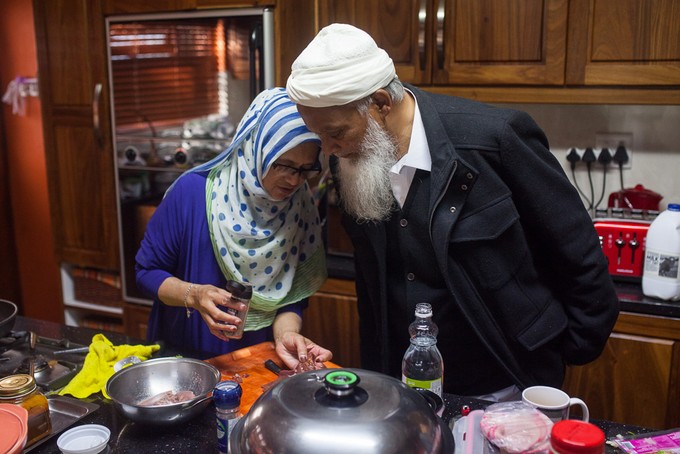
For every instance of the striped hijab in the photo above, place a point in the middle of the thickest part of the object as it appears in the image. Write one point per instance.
(276, 246)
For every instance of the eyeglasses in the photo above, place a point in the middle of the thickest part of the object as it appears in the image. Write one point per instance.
(304, 172)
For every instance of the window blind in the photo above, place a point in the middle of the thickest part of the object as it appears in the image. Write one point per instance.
(165, 71)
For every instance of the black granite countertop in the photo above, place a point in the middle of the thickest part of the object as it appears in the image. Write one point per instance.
(199, 434)
(632, 300)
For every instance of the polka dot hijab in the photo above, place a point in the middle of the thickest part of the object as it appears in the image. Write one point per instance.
(275, 246)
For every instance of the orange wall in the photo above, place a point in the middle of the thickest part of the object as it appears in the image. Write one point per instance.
(38, 269)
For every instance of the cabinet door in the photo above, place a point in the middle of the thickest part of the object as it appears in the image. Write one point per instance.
(400, 27)
(332, 321)
(73, 92)
(633, 382)
(624, 42)
(500, 42)
(136, 320)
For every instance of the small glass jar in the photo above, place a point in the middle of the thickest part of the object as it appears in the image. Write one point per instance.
(572, 436)
(21, 389)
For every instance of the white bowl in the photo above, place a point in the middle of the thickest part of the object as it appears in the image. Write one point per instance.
(85, 439)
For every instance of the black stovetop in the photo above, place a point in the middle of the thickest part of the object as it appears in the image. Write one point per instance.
(51, 371)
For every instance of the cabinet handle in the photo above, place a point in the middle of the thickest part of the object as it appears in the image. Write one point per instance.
(441, 15)
(95, 116)
(422, 15)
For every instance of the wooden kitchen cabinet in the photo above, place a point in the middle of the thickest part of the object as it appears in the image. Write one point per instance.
(75, 107)
(568, 51)
(636, 380)
(624, 42)
(500, 42)
(136, 319)
(438, 42)
(332, 321)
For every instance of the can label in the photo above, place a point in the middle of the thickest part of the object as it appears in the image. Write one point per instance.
(660, 264)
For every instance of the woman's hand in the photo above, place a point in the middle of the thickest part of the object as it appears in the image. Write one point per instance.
(293, 348)
(211, 303)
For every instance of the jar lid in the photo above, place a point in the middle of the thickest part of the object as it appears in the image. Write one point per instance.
(239, 289)
(16, 385)
(85, 439)
(14, 423)
(227, 394)
(574, 436)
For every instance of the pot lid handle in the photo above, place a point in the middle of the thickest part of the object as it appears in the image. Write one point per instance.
(341, 382)
(340, 390)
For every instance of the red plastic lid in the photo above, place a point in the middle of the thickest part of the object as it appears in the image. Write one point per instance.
(14, 423)
(572, 436)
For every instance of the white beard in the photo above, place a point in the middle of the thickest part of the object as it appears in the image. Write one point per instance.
(365, 189)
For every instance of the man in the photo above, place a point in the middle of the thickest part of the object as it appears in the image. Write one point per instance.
(462, 205)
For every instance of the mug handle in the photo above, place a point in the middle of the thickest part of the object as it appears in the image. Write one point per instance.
(584, 408)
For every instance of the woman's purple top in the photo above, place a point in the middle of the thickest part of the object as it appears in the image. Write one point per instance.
(177, 243)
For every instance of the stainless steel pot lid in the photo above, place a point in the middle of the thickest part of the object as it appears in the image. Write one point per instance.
(340, 411)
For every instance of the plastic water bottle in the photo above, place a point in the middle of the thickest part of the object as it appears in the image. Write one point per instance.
(423, 366)
(227, 399)
(661, 278)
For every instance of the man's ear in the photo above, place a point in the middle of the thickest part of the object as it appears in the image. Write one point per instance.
(383, 101)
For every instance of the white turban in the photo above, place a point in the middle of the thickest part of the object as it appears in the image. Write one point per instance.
(342, 64)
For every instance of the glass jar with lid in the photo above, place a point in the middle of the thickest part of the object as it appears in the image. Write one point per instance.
(21, 389)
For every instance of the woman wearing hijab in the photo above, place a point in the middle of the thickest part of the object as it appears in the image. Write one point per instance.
(247, 215)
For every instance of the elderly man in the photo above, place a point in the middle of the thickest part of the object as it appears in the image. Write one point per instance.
(462, 205)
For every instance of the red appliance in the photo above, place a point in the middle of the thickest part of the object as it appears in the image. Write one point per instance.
(623, 243)
(639, 198)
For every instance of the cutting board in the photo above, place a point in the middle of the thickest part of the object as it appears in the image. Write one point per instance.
(248, 363)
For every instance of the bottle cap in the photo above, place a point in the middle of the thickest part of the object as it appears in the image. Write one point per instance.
(674, 207)
(227, 394)
(423, 310)
(239, 289)
(574, 436)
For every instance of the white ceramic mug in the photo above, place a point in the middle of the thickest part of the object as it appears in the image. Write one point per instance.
(553, 402)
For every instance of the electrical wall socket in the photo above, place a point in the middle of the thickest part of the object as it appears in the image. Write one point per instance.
(612, 140)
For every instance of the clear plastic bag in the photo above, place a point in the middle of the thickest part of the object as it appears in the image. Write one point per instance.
(516, 427)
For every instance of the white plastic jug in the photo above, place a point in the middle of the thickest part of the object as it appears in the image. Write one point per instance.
(661, 277)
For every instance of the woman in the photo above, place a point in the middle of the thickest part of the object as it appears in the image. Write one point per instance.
(247, 215)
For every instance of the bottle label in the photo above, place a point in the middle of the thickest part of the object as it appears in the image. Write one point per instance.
(660, 264)
(433, 385)
(224, 429)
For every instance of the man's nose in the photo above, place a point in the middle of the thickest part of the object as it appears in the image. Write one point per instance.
(330, 147)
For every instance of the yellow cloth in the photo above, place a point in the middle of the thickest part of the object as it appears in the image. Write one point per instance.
(98, 365)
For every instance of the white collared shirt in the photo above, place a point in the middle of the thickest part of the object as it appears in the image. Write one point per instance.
(417, 157)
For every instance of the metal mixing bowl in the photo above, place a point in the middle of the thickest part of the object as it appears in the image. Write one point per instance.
(130, 386)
